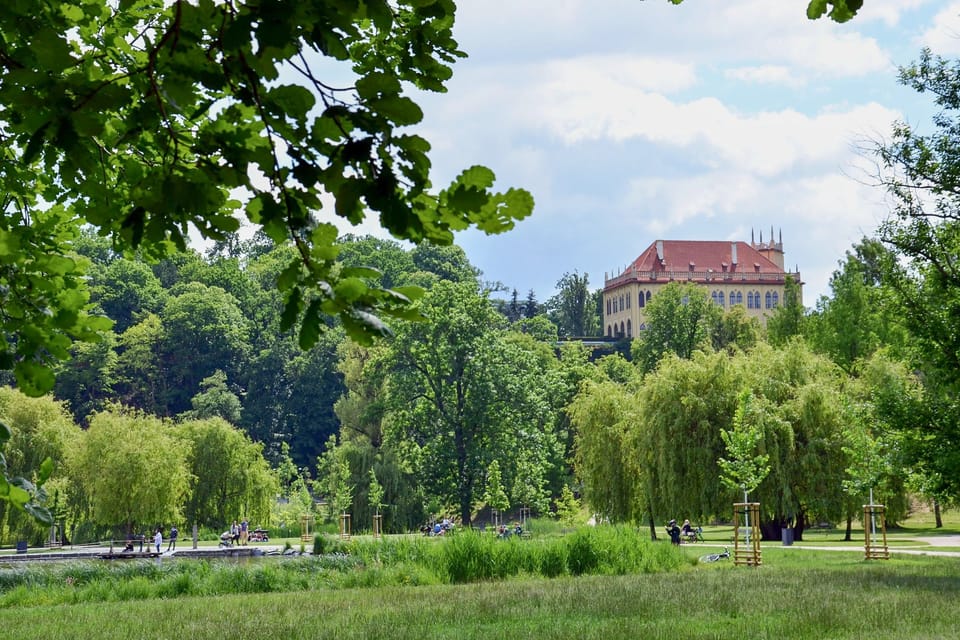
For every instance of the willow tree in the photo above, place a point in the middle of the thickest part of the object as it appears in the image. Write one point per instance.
(133, 469)
(229, 477)
(601, 415)
(687, 404)
(36, 434)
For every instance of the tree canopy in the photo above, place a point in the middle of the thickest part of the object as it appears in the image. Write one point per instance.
(147, 118)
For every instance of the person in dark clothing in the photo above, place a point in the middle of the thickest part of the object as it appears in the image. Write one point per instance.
(172, 545)
(674, 531)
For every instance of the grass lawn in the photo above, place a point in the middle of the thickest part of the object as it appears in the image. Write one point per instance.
(796, 594)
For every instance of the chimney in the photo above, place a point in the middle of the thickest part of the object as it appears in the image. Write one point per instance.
(733, 252)
(660, 250)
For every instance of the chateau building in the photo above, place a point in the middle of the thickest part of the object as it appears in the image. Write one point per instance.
(735, 273)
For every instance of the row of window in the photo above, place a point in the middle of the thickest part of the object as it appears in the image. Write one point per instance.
(771, 300)
(613, 331)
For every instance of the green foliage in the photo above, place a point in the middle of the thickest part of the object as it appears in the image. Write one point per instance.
(573, 309)
(375, 493)
(568, 507)
(215, 400)
(787, 319)
(144, 119)
(494, 496)
(920, 173)
(744, 469)
(462, 392)
(132, 468)
(601, 415)
(229, 477)
(472, 557)
(679, 321)
(837, 10)
(36, 436)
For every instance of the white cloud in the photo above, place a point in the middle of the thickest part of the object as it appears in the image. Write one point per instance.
(888, 11)
(765, 143)
(765, 74)
(597, 73)
(701, 32)
(944, 36)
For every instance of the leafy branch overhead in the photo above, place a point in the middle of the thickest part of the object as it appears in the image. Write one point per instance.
(836, 10)
(145, 118)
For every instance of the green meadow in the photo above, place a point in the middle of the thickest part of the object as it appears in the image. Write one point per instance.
(607, 582)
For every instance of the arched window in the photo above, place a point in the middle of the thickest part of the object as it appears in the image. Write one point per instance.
(641, 299)
(609, 331)
(608, 306)
(629, 331)
(749, 299)
(713, 296)
(768, 300)
(628, 301)
(621, 328)
(648, 296)
(621, 304)
(739, 298)
(720, 298)
(776, 299)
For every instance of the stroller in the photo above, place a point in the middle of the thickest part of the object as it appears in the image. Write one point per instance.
(228, 539)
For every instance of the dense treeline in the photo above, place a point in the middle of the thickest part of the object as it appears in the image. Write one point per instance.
(198, 408)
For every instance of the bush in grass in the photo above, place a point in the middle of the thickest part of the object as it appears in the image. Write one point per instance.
(320, 544)
(552, 560)
(582, 552)
(464, 558)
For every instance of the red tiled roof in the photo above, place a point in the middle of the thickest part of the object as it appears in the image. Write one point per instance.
(704, 254)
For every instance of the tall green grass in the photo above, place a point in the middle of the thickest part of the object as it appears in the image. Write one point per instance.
(796, 595)
(471, 557)
(398, 561)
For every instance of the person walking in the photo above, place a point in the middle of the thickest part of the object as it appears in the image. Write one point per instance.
(674, 532)
(158, 538)
(172, 546)
(244, 531)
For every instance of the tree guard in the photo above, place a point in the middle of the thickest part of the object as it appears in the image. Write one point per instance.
(746, 534)
(874, 540)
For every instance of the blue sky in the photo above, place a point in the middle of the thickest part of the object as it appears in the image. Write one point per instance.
(637, 120)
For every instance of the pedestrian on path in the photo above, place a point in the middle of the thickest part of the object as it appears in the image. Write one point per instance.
(172, 546)
(158, 538)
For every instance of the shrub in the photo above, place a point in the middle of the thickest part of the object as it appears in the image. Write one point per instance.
(581, 552)
(552, 560)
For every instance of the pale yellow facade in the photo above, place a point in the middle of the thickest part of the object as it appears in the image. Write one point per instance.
(748, 275)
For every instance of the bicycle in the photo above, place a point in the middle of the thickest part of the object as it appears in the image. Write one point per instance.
(713, 557)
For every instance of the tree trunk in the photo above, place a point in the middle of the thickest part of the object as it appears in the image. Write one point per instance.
(798, 527)
(653, 527)
(936, 514)
(849, 531)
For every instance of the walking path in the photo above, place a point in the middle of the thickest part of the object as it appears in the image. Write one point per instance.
(93, 552)
(932, 543)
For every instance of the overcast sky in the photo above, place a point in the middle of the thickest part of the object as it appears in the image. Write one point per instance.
(637, 120)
